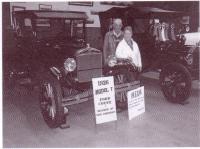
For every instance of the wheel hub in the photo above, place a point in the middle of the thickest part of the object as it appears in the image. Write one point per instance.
(48, 104)
(174, 84)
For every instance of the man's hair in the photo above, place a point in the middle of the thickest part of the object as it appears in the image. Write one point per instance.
(128, 28)
(117, 21)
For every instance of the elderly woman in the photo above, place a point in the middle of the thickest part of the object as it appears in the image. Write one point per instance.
(128, 49)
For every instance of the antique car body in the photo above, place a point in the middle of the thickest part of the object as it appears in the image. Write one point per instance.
(53, 46)
(176, 60)
(192, 44)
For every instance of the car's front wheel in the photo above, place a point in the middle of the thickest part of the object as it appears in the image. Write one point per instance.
(51, 101)
(175, 81)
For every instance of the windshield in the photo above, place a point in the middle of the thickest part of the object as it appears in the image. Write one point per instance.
(74, 28)
(46, 28)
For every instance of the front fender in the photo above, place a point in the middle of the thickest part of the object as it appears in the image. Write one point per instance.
(55, 72)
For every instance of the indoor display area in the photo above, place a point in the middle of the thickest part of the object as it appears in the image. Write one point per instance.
(100, 74)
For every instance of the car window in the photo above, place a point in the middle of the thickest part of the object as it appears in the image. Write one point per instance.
(43, 27)
(74, 28)
(77, 28)
(59, 27)
(67, 28)
(24, 28)
(42, 23)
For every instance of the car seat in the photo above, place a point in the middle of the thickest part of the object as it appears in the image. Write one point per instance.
(162, 32)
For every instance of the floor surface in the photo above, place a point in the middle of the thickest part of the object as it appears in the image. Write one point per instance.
(164, 124)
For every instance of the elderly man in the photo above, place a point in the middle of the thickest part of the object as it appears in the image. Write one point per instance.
(111, 40)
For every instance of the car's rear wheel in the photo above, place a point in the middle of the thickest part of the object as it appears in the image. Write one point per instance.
(175, 81)
(51, 101)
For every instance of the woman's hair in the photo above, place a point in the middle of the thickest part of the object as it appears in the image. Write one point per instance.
(128, 28)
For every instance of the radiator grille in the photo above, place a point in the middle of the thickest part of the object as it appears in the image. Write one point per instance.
(89, 65)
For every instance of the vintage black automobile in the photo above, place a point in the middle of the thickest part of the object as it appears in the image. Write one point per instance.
(176, 60)
(52, 47)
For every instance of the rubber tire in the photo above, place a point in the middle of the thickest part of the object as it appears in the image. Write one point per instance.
(188, 81)
(59, 117)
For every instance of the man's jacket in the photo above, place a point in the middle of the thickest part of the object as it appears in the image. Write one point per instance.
(110, 44)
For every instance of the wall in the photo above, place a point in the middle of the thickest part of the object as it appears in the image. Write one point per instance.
(93, 30)
(65, 6)
(7, 30)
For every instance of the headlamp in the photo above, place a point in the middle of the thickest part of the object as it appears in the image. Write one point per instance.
(70, 64)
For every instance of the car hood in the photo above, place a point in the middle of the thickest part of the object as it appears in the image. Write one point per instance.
(192, 38)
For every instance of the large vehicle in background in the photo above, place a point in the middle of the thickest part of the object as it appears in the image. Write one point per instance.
(51, 46)
(176, 58)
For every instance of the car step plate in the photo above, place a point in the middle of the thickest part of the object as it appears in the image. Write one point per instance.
(86, 95)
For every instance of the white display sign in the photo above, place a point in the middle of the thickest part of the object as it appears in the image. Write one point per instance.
(136, 103)
(104, 99)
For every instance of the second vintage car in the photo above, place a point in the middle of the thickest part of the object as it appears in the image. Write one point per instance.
(164, 44)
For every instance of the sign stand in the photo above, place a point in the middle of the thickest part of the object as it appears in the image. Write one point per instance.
(95, 126)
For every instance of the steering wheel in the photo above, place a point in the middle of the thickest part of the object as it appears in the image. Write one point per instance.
(125, 61)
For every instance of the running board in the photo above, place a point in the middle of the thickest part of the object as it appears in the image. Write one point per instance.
(86, 95)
